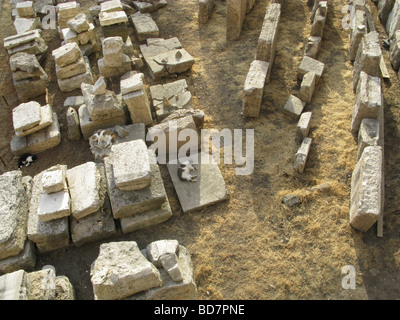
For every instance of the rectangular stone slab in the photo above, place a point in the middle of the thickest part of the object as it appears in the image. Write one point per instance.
(209, 188)
(46, 119)
(145, 26)
(12, 286)
(128, 203)
(26, 115)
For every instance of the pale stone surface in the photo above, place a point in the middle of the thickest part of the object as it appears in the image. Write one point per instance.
(268, 38)
(209, 189)
(368, 57)
(384, 9)
(25, 9)
(131, 165)
(318, 25)
(393, 21)
(30, 42)
(290, 200)
(113, 17)
(54, 179)
(66, 54)
(157, 249)
(130, 203)
(111, 5)
(111, 72)
(132, 81)
(368, 135)
(84, 184)
(75, 82)
(307, 87)
(197, 114)
(67, 11)
(23, 25)
(74, 133)
(302, 155)
(294, 107)
(79, 23)
(310, 65)
(254, 88)
(72, 69)
(359, 29)
(145, 26)
(46, 119)
(100, 87)
(366, 193)
(112, 51)
(40, 284)
(26, 115)
(139, 107)
(64, 289)
(12, 286)
(235, 13)
(368, 100)
(205, 9)
(54, 206)
(26, 260)
(171, 264)
(171, 290)
(121, 270)
(146, 219)
(303, 126)
(13, 217)
(50, 235)
(312, 47)
(74, 102)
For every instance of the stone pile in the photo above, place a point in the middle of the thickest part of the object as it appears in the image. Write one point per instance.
(102, 108)
(163, 270)
(80, 31)
(72, 67)
(113, 20)
(36, 128)
(114, 62)
(35, 285)
(135, 96)
(165, 57)
(29, 42)
(135, 186)
(169, 97)
(16, 251)
(26, 18)
(29, 78)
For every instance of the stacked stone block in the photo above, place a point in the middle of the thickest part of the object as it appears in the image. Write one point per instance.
(113, 20)
(26, 18)
(114, 62)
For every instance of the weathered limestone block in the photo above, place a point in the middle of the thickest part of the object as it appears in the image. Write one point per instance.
(145, 26)
(89, 126)
(157, 249)
(171, 130)
(205, 9)
(384, 9)
(235, 14)
(12, 286)
(110, 72)
(30, 42)
(74, 133)
(64, 289)
(197, 114)
(368, 135)
(302, 155)
(26, 259)
(27, 89)
(294, 107)
(318, 25)
(74, 102)
(38, 141)
(303, 126)
(23, 25)
(26, 115)
(50, 235)
(66, 54)
(307, 87)
(254, 88)
(25, 9)
(79, 23)
(312, 47)
(209, 188)
(54, 179)
(131, 81)
(146, 219)
(395, 51)
(368, 100)
(25, 66)
(121, 270)
(13, 217)
(268, 38)
(66, 11)
(131, 165)
(113, 17)
(112, 51)
(129, 203)
(111, 5)
(71, 70)
(40, 284)
(54, 206)
(75, 82)
(143, 6)
(359, 29)
(310, 65)
(172, 290)
(100, 87)
(171, 264)
(170, 97)
(138, 106)
(393, 21)
(46, 119)
(368, 57)
(366, 195)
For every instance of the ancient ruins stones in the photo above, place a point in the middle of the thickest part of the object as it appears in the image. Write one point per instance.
(235, 14)
(302, 155)
(30, 42)
(114, 62)
(123, 271)
(145, 26)
(294, 107)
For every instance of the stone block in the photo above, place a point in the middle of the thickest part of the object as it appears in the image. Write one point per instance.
(368, 100)
(368, 135)
(46, 119)
(145, 26)
(302, 155)
(26, 260)
(359, 29)
(366, 193)
(307, 87)
(66, 54)
(310, 65)
(131, 81)
(254, 88)
(113, 17)
(74, 102)
(197, 114)
(157, 249)
(111, 72)
(318, 25)
(30, 42)
(74, 132)
(25, 9)
(129, 203)
(54, 179)
(26, 115)
(27, 89)
(71, 70)
(303, 126)
(143, 7)
(208, 189)
(131, 165)
(79, 23)
(393, 20)
(138, 106)
(111, 5)
(294, 107)
(117, 30)
(312, 47)
(205, 9)
(66, 11)
(47, 235)
(171, 264)
(75, 82)
(235, 14)
(395, 51)
(13, 217)
(64, 289)
(384, 9)
(40, 284)
(54, 206)
(100, 87)
(23, 25)
(121, 270)
(12, 286)
(268, 38)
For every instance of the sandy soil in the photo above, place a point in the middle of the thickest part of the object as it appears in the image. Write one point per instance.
(253, 247)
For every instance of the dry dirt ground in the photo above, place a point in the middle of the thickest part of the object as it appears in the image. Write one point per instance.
(253, 247)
